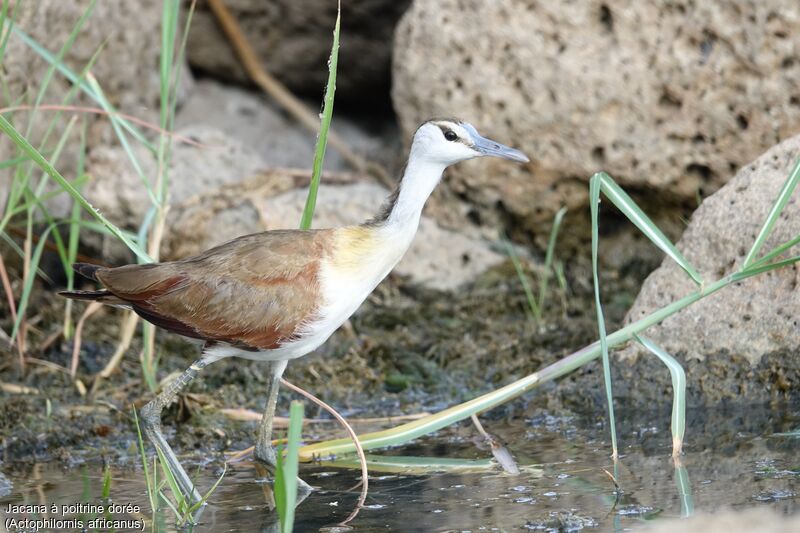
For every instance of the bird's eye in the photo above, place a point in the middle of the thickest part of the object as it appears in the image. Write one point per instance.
(450, 135)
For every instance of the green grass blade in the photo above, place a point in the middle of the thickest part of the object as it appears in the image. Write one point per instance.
(549, 255)
(21, 253)
(678, 392)
(777, 208)
(625, 203)
(208, 494)
(594, 201)
(74, 236)
(684, 490)
(279, 486)
(411, 430)
(13, 162)
(6, 30)
(27, 286)
(106, 492)
(775, 252)
(101, 228)
(325, 124)
(37, 158)
(533, 307)
(289, 468)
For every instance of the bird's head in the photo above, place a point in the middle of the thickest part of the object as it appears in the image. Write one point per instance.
(448, 141)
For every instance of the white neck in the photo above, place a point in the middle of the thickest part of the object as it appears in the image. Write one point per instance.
(419, 180)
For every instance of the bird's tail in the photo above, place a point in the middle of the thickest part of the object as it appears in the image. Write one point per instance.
(88, 270)
(86, 295)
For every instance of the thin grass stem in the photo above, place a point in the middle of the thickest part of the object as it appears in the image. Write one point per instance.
(678, 375)
(325, 124)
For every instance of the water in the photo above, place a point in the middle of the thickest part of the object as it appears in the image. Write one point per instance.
(732, 459)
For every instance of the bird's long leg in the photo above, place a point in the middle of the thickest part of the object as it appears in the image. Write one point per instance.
(264, 451)
(151, 417)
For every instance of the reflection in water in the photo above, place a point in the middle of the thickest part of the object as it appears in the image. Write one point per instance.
(562, 484)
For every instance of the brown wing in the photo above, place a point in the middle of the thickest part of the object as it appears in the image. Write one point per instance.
(253, 292)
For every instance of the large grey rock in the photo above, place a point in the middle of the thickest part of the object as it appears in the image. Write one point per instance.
(671, 97)
(748, 331)
(293, 40)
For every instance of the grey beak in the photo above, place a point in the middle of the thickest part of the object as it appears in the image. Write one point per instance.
(494, 149)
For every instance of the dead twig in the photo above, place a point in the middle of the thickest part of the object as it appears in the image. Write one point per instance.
(283, 96)
(13, 388)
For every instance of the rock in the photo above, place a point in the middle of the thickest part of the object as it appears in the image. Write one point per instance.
(671, 97)
(117, 190)
(293, 39)
(750, 330)
(279, 140)
(438, 258)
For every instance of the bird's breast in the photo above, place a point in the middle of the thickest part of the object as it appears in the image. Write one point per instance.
(361, 258)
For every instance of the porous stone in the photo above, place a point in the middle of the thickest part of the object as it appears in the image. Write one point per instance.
(749, 330)
(293, 40)
(668, 97)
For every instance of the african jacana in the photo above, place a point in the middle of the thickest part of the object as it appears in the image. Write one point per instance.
(278, 295)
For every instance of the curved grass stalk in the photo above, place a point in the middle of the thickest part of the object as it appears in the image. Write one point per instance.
(678, 376)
